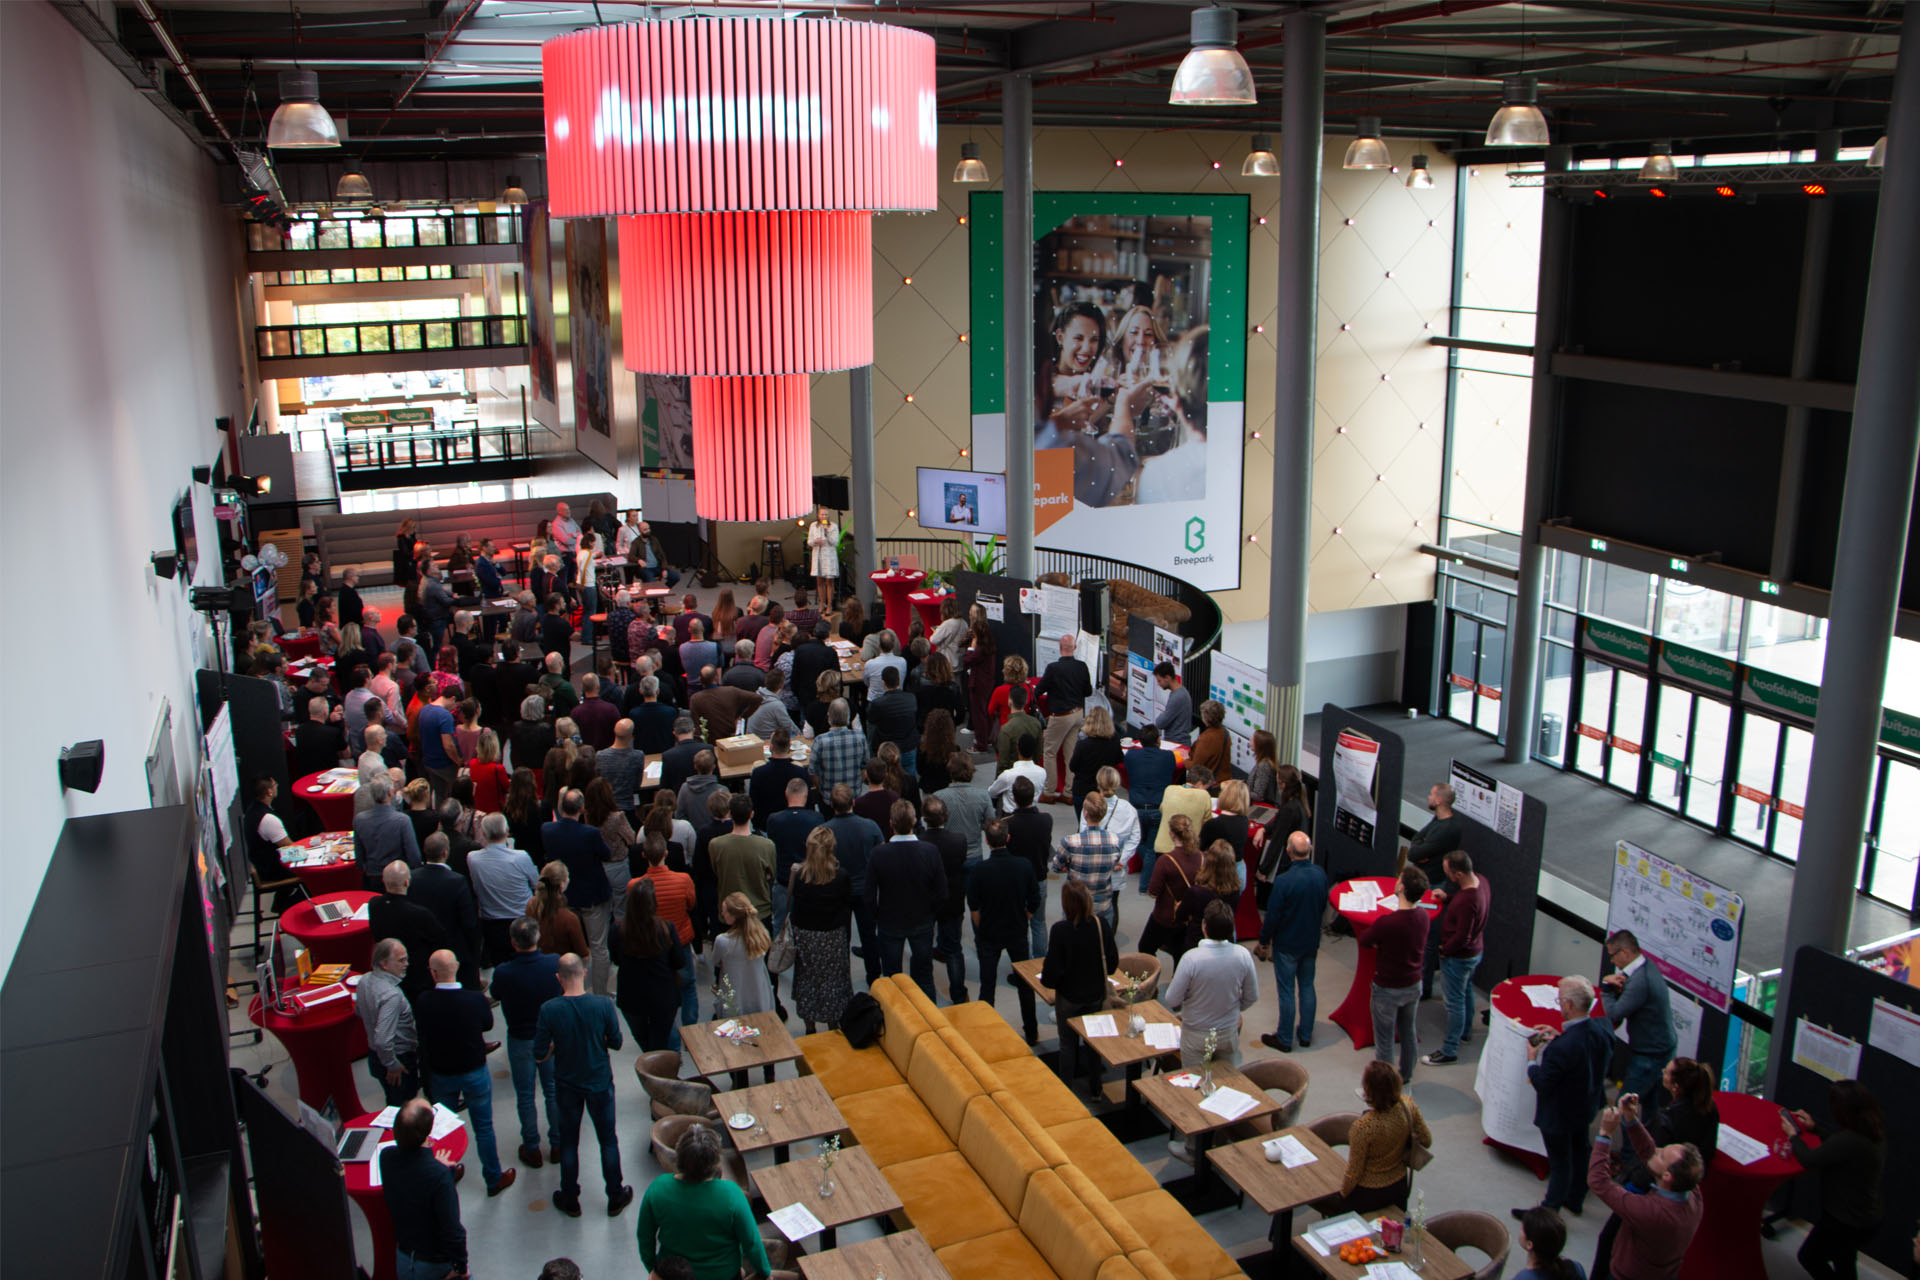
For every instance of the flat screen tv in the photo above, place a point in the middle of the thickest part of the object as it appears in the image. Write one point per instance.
(963, 501)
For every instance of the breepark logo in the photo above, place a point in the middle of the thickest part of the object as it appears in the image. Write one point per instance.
(1196, 533)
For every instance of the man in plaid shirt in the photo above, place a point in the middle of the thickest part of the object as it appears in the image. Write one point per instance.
(838, 753)
(1092, 856)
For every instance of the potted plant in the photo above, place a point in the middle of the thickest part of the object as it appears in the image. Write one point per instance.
(981, 557)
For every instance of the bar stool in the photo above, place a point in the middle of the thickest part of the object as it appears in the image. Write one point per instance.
(772, 557)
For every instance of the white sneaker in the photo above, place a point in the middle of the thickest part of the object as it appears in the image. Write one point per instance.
(1177, 1148)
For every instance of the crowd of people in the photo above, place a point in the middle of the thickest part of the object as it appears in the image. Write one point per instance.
(563, 851)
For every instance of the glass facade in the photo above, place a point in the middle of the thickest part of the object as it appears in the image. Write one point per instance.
(1699, 703)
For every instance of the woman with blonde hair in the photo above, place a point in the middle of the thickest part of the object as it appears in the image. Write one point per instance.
(1013, 671)
(420, 811)
(1173, 875)
(1218, 881)
(1231, 824)
(820, 903)
(490, 777)
(560, 931)
(1098, 748)
(740, 956)
(1123, 820)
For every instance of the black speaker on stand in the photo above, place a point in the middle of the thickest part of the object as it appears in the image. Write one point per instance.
(1096, 607)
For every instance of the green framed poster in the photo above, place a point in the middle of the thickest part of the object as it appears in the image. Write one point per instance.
(1140, 323)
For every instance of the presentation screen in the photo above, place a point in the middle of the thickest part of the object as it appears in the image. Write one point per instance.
(963, 501)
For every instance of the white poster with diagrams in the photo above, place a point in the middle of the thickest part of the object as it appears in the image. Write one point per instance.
(1242, 690)
(1686, 924)
(1493, 804)
(1356, 760)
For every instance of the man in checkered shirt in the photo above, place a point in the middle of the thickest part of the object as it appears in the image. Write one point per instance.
(838, 753)
(1092, 856)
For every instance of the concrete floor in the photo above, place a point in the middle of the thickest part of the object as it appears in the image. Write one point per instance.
(513, 1234)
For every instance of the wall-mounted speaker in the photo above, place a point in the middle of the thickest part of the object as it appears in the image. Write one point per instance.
(81, 765)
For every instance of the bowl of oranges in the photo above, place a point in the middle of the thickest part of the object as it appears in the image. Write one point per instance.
(1358, 1253)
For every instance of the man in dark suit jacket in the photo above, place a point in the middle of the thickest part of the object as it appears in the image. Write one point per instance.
(891, 718)
(767, 785)
(318, 744)
(905, 889)
(676, 763)
(812, 657)
(394, 915)
(446, 893)
(1569, 1075)
(953, 849)
(1004, 896)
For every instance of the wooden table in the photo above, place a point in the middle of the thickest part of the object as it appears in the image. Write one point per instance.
(800, 751)
(1028, 971)
(1440, 1262)
(788, 1111)
(715, 1055)
(1180, 1108)
(1276, 1189)
(904, 1255)
(860, 1191)
(1129, 1053)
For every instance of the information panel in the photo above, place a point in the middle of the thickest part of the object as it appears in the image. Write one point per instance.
(1242, 690)
(1687, 925)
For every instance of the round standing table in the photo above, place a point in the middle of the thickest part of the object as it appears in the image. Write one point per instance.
(324, 1043)
(1355, 1014)
(348, 942)
(373, 1200)
(1501, 1076)
(1727, 1245)
(342, 875)
(300, 646)
(895, 588)
(336, 811)
(927, 605)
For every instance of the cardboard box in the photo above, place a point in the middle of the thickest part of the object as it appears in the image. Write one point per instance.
(746, 749)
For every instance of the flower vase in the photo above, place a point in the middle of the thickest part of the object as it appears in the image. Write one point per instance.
(1207, 1086)
(1414, 1257)
(826, 1186)
(1135, 1023)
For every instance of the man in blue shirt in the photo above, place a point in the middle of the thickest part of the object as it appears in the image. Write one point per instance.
(571, 841)
(576, 1031)
(439, 748)
(523, 985)
(1291, 939)
(1149, 773)
(789, 829)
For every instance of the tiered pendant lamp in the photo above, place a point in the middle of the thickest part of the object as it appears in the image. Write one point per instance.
(745, 157)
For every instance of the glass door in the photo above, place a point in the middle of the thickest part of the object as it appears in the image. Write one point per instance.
(1707, 761)
(1893, 853)
(1626, 745)
(1790, 791)
(1476, 658)
(1667, 754)
(1753, 778)
(1594, 707)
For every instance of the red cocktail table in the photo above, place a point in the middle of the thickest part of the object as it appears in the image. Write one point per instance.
(895, 588)
(1727, 1246)
(348, 942)
(324, 1043)
(1355, 1014)
(373, 1201)
(336, 811)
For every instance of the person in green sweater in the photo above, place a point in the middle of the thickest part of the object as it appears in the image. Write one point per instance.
(700, 1216)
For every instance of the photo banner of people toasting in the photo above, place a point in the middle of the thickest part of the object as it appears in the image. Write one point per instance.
(1139, 358)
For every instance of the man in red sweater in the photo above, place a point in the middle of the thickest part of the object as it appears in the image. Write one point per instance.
(1400, 938)
(1656, 1228)
(1463, 931)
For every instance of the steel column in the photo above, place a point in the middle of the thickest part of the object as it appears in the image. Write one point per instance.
(1016, 227)
(866, 553)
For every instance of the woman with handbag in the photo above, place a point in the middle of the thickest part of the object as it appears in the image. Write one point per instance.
(1080, 955)
(649, 959)
(1387, 1142)
(1173, 875)
(819, 905)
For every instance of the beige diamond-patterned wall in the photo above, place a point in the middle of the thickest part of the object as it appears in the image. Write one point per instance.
(1384, 281)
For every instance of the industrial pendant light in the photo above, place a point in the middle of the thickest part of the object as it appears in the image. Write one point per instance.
(1418, 179)
(515, 193)
(300, 121)
(1213, 74)
(1659, 164)
(1877, 158)
(1367, 150)
(1518, 122)
(971, 168)
(353, 188)
(1261, 162)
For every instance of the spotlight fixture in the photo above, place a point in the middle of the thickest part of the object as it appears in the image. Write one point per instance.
(515, 194)
(1659, 165)
(971, 167)
(1261, 162)
(1518, 122)
(1877, 158)
(1418, 179)
(300, 121)
(353, 188)
(165, 564)
(203, 475)
(1213, 74)
(1367, 150)
(252, 486)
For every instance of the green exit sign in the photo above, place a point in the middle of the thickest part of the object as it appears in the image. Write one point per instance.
(1596, 544)
(1769, 588)
(1676, 564)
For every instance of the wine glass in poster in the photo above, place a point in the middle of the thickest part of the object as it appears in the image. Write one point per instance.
(1120, 335)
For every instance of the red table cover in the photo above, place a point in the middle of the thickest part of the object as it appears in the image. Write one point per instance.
(1727, 1246)
(336, 811)
(348, 942)
(324, 1043)
(1355, 1014)
(373, 1201)
(894, 590)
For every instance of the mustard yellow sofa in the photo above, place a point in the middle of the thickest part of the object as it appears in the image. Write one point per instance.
(995, 1160)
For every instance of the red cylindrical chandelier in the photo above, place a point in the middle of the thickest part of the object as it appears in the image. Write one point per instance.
(747, 157)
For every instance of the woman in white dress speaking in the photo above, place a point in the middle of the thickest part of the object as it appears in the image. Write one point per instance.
(823, 553)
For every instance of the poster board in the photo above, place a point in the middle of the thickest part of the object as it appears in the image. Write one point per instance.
(1357, 845)
(1487, 800)
(1512, 867)
(1862, 1016)
(1242, 690)
(1687, 925)
(1012, 630)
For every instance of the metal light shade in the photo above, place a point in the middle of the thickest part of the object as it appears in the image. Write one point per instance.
(971, 168)
(1367, 150)
(1518, 122)
(1418, 179)
(1659, 163)
(300, 120)
(1877, 158)
(747, 157)
(1213, 74)
(353, 188)
(515, 193)
(1261, 162)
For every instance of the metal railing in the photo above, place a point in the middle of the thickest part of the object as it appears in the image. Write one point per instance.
(360, 451)
(455, 333)
(393, 232)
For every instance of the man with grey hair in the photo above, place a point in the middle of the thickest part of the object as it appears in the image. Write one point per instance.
(372, 763)
(394, 914)
(884, 659)
(839, 753)
(393, 1043)
(524, 627)
(652, 718)
(382, 835)
(504, 880)
(1569, 1077)
(563, 529)
(318, 743)
(741, 673)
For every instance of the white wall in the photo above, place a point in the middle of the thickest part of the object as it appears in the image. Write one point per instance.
(118, 352)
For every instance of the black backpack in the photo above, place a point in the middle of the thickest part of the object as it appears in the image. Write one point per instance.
(864, 1021)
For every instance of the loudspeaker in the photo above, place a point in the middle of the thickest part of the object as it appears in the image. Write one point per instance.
(1096, 607)
(832, 492)
(1416, 656)
(81, 765)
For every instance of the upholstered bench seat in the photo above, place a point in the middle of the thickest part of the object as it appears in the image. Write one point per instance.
(843, 1069)
(981, 1026)
(893, 1125)
(1175, 1238)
